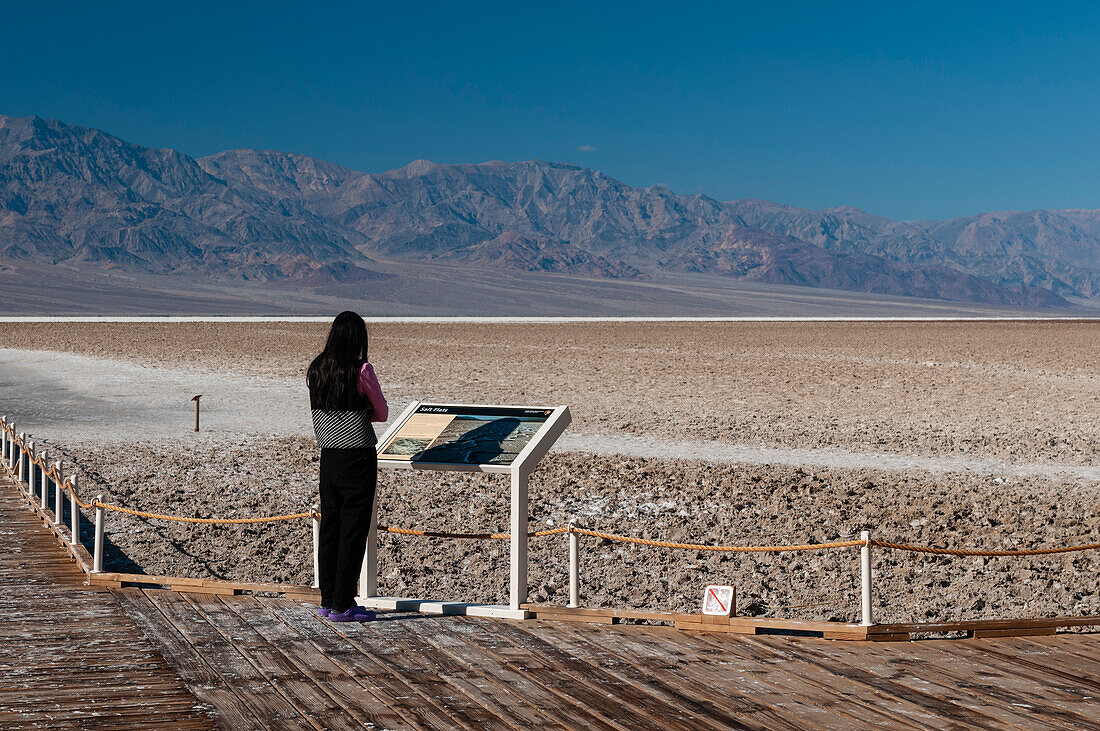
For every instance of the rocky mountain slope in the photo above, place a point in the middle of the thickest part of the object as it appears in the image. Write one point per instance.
(74, 196)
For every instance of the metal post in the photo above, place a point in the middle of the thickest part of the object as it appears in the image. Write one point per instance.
(196, 400)
(574, 568)
(865, 575)
(97, 555)
(517, 593)
(74, 511)
(316, 545)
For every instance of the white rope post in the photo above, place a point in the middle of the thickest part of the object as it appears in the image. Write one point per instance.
(23, 446)
(574, 567)
(315, 515)
(3, 437)
(74, 511)
(31, 482)
(865, 576)
(44, 479)
(57, 509)
(60, 475)
(19, 456)
(97, 555)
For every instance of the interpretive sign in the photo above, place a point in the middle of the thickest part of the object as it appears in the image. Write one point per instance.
(469, 438)
(464, 434)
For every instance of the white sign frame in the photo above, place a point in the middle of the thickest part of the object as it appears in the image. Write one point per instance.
(520, 470)
(719, 600)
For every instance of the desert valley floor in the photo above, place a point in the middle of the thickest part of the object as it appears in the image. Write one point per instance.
(959, 434)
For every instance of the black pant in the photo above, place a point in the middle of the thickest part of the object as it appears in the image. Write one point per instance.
(348, 480)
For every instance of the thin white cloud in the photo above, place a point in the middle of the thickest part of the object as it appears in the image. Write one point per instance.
(586, 148)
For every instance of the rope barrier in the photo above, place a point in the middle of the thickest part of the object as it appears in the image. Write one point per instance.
(208, 521)
(476, 536)
(727, 549)
(51, 473)
(978, 552)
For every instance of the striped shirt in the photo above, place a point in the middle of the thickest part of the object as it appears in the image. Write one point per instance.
(351, 428)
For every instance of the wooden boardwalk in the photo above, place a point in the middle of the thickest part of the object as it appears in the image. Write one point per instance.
(76, 656)
(69, 654)
(270, 663)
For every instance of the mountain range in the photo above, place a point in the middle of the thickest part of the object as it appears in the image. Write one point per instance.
(79, 199)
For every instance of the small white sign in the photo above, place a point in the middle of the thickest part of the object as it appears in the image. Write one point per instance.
(718, 600)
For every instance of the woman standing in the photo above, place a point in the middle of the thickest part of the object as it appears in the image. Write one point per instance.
(345, 398)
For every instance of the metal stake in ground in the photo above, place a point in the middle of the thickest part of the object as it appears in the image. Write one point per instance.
(196, 400)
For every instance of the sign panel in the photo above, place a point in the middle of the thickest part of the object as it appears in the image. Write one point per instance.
(464, 435)
(718, 600)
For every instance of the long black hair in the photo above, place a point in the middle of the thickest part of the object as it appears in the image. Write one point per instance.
(333, 375)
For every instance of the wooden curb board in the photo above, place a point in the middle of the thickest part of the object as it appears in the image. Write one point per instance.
(827, 630)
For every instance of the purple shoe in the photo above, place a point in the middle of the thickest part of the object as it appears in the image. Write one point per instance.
(324, 611)
(354, 613)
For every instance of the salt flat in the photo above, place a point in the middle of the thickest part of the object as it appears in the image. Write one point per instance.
(977, 434)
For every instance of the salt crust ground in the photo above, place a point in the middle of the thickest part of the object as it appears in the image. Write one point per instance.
(1019, 393)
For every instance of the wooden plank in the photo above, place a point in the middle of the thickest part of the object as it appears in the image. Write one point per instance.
(603, 692)
(967, 678)
(677, 683)
(444, 681)
(316, 706)
(408, 702)
(881, 637)
(584, 618)
(544, 610)
(116, 677)
(738, 629)
(250, 685)
(1063, 690)
(984, 624)
(182, 583)
(1014, 632)
(528, 702)
(1080, 651)
(785, 683)
(854, 664)
(507, 707)
(853, 636)
(333, 679)
(207, 684)
(910, 666)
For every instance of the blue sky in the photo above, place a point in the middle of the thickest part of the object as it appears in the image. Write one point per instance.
(927, 110)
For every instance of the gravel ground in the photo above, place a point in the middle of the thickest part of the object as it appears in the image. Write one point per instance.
(682, 501)
(1013, 393)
